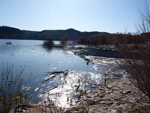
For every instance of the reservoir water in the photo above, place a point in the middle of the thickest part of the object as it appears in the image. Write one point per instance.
(37, 61)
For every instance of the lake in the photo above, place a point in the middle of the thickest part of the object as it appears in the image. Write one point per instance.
(37, 61)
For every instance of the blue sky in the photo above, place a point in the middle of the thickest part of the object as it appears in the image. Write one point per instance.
(84, 15)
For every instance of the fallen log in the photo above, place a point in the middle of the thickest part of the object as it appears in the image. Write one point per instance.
(48, 90)
(55, 73)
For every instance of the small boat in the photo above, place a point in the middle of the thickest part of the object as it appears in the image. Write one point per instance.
(8, 43)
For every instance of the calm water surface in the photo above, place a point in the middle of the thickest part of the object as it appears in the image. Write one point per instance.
(38, 61)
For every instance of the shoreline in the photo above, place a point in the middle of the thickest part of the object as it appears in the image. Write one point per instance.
(110, 52)
(120, 96)
(102, 61)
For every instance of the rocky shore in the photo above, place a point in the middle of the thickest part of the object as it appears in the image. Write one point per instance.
(104, 51)
(120, 96)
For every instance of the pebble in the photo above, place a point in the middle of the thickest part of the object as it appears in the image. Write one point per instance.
(126, 92)
(106, 102)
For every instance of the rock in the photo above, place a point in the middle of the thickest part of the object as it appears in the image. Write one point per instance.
(84, 98)
(8, 43)
(101, 95)
(23, 110)
(114, 111)
(106, 102)
(98, 91)
(126, 92)
(90, 102)
(116, 94)
(90, 95)
(96, 94)
(78, 104)
(109, 91)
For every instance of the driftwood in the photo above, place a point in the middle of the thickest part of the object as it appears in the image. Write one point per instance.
(55, 73)
(58, 72)
(48, 90)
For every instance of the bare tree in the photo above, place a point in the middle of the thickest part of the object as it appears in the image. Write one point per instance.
(144, 16)
(138, 64)
(138, 69)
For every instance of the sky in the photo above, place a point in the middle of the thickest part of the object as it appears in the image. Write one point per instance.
(84, 15)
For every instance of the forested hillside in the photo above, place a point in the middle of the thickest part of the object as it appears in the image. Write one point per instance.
(14, 33)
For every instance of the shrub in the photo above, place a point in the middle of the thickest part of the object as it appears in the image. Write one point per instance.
(10, 89)
(48, 42)
(138, 67)
(137, 64)
(64, 40)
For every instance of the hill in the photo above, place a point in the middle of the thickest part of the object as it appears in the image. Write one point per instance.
(10, 33)
(15, 33)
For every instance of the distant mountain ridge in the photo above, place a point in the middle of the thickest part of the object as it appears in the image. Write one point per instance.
(15, 33)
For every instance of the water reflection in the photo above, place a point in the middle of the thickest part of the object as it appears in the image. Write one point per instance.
(38, 61)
